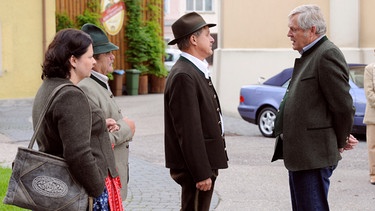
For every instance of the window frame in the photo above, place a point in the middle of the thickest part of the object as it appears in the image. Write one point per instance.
(167, 6)
(204, 6)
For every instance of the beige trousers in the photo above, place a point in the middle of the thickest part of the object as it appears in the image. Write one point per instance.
(370, 139)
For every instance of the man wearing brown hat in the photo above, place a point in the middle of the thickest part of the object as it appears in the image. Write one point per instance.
(194, 131)
(97, 89)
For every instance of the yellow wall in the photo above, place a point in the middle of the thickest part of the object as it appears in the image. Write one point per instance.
(260, 24)
(21, 28)
(253, 40)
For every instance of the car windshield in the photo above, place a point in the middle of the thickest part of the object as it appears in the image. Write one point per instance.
(283, 78)
(286, 84)
(280, 79)
(356, 74)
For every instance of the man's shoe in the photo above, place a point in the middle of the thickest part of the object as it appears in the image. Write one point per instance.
(372, 181)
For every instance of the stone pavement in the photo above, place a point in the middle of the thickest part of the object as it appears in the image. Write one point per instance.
(150, 186)
(251, 182)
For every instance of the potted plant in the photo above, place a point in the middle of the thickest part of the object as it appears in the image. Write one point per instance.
(136, 38)
(156, 49)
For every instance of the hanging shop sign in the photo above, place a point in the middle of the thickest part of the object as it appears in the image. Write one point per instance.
(113, 12)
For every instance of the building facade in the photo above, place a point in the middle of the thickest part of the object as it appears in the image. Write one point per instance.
(26, 28)
(251, 39)
(173, 9)
(253, 42)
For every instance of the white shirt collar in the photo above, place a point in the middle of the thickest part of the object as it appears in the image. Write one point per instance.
(101, 77)
(202, 65)
(307, 47)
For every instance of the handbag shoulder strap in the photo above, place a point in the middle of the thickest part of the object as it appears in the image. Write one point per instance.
(44, 111)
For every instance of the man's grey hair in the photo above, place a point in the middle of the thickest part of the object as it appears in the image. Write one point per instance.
(309, 16)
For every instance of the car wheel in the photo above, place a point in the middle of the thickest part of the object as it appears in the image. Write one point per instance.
(266, 121)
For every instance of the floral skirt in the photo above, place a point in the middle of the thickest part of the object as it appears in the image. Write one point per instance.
(110, 199)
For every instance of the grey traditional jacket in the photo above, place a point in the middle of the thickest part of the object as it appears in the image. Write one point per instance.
(75, 129)
(105, 100)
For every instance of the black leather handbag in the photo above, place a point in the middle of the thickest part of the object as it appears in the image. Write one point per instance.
(40, 181)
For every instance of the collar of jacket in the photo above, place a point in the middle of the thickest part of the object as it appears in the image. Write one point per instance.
(315, 46)
(195, 67)
(98, 81)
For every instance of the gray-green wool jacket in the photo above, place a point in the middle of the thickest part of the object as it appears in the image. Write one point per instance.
(75, 129)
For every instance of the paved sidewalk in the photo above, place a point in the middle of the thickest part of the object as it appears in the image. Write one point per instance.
(150, 186)
(251, 182)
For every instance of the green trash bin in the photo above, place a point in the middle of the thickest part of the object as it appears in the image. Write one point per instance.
(132, 81)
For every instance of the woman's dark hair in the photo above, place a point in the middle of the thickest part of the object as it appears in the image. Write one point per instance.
(67, 43)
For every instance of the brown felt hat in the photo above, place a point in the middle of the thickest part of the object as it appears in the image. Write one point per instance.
(186, 25)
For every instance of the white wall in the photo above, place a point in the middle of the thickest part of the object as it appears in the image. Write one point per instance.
(344, 26)
(236, 67)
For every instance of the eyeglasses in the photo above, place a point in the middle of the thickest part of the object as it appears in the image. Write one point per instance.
(294, 30)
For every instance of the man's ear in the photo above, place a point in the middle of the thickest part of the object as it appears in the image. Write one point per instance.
(193, 39)
(313, 29)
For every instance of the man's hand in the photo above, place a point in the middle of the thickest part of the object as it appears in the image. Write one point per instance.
(351, 142)
(112, 125)
(130, 123)
(204, 185)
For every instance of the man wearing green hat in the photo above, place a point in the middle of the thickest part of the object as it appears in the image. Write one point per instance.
(97, 89)
(194, 130)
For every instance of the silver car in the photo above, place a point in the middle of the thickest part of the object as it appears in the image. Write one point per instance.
(259, 103)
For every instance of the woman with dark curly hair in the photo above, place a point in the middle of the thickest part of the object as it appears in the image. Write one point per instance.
(74, 128)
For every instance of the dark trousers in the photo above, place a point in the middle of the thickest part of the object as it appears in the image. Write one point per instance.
(193, 199)
(309, 189)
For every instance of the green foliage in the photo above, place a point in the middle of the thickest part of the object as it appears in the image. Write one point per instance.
(156, 44)
(110, 76)
(90, 15)
(136, 37)
(63, 21)
(146, 47)
(94, 5)
(4, 180)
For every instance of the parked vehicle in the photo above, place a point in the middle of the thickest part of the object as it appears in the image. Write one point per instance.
(259, 103)
(171, 56)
